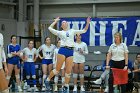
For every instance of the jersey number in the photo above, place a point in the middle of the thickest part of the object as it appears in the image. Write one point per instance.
(48, 53)
(67, 34)
(30, 56)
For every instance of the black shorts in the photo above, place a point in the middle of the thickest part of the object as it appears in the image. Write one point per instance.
(118, 64)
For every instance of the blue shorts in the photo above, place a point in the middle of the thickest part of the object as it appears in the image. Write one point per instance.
(29, 68)
(65, 51)
(14, 62)
(47, 61)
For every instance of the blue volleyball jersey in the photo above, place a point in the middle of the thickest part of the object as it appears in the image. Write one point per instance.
(13, 48)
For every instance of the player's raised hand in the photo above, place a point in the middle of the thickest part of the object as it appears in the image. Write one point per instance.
(57, 19)
(88, 19)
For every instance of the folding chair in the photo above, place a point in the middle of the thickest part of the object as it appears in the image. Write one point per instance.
(87, 69)
(93, 76)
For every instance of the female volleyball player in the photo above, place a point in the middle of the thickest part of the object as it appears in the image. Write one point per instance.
(80, 50)
(47, 63)
(14, 52)
(29, 56)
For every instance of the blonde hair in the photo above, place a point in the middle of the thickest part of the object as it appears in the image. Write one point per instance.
(120, 35)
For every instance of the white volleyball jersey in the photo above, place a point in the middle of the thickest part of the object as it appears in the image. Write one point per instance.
(67, 37)
(55, 58)
(2, 53)
(47, 51)
(30, 54)
(78, 56)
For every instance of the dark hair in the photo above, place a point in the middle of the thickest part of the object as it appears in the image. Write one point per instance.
(46, 38)
(137, 55)
(58, 39)
(78, 34)
(13, 36)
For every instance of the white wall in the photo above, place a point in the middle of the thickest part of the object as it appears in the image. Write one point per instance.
(10, 29)
(22, 30)
(119, 9)
(85, 1)
(50, 12)
(5, 12)
(83, 10)
(5, 0)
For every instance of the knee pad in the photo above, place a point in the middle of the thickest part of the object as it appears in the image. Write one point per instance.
(5, 91)
(28, 77)
(67, 75)
(81, 75)
(63, 79)
(34, 76)
(44, 76)
(9, 55)
(17, 76)
(8, 77)
(21, 54)
(75, 75)
(55, 72)
(56, 79)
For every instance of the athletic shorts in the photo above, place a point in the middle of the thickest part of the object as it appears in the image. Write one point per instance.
(118, 64)
(47, 61)
(79, 62)
(65, 51)
(14, 62)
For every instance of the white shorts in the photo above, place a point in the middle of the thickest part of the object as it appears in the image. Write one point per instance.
(79, 62)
